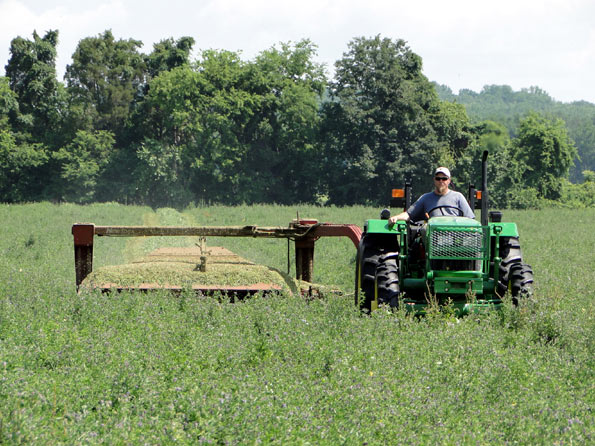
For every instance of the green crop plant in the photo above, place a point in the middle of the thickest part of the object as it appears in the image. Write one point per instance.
(134, 368)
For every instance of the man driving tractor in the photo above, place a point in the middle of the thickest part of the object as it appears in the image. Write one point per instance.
(441, 201)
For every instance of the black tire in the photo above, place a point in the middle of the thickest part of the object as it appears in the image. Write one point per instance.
(387, 280)
(515, 276)
(510, 253)
(367, 262)
(521, 281)
(370, 249)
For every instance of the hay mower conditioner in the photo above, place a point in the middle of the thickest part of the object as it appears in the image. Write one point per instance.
(444, 259)
(175, 269)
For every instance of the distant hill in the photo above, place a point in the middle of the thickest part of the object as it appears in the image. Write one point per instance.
(501, 104)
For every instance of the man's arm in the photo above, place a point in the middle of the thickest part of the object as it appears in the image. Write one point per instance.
(464, 206)
(402, 216)
(415, 211)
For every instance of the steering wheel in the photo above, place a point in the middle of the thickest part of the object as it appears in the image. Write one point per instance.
(461, 212)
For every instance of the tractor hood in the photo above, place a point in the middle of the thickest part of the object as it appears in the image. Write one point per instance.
(503, 229)
(452, 221)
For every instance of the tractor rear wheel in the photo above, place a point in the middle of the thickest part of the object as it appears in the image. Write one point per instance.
(515, 276)
(371, 248)
(387, 280)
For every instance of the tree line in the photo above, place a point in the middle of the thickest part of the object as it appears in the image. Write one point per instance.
(163, 130)
(500, 103)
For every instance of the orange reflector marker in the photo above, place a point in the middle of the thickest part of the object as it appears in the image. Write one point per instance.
(398, 193)
(478, 195)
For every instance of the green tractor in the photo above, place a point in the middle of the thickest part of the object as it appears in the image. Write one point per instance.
(446, 259)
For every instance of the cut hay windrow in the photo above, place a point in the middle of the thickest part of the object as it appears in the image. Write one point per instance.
(190, 268)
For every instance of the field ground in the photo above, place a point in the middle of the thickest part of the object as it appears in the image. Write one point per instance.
(155, 369)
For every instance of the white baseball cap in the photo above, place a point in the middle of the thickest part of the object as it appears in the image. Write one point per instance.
(443, 170)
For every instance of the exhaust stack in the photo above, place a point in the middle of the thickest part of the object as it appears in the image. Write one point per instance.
(484, 188)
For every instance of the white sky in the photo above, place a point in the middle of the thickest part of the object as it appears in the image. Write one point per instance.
(463, 43)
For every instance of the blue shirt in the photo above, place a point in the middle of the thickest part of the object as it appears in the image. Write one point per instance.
(418, 210)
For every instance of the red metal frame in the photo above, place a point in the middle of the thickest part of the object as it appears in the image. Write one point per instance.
(304, 246)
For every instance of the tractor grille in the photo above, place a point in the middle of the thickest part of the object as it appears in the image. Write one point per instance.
(457, 244)
(457, 248)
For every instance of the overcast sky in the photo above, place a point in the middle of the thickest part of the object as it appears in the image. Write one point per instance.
(463, 43)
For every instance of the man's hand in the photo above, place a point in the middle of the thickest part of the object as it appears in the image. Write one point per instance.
(402, 216)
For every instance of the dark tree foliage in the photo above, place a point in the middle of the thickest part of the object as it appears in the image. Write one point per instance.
(31, 128)
(22, 173)
(31, 71)
(81, 164)
(283, 155)
(163, 130)
(232, 131)
(544, 148)
(525, 170)
(580, 122)
(505, 174)
(384, 123)
(103, 80)
(501, 104)
(9, 105)
(168, 54)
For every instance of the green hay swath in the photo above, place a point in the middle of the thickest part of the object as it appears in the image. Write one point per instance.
(180, 268)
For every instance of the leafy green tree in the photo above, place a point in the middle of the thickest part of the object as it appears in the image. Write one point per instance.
(384, 123)
(579, 195)
(580, 121)
(505, 174)
(174, 106)
(21, 168)
(192, 117)
(175, 149)
(525, 170)
(31, 71)
(284, 160)
(9, 104)
(545, 149)
(22, 162)
(219, 151)
(454, 132)
(168, 54)
(235, 131)
(82, 163)
(502, 169)
(161, 177)
(444, 92)
(501, 104)
(492, 136)
(103, 80)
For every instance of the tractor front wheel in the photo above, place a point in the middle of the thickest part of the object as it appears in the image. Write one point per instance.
(387, 280)
(521, 281)
(515, 276)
